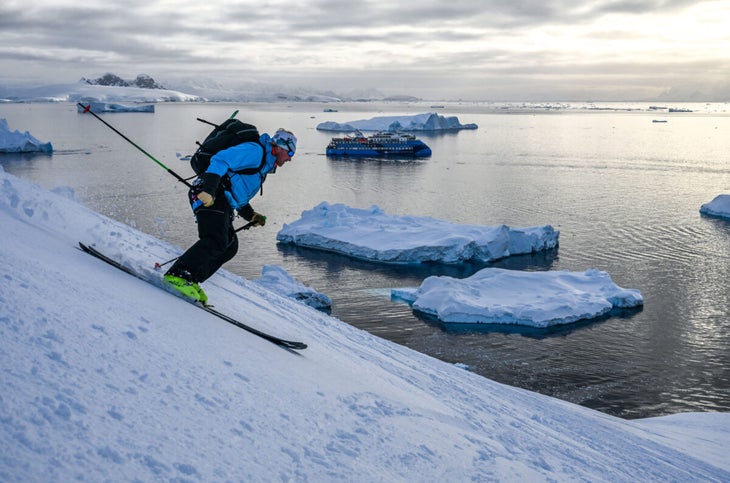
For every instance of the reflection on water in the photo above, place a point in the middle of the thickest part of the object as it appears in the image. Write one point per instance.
(623, 191)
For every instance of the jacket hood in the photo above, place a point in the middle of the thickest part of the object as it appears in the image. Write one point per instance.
(270, 163)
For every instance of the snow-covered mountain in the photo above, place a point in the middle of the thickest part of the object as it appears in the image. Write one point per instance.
(83, 91)
(143, 81)
(112, 88)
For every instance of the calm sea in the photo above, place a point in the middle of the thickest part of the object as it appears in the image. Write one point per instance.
(624, 192)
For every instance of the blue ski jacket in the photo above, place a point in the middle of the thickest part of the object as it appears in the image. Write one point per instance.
(247, 155)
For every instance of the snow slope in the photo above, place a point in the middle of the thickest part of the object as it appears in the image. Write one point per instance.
(106, 377)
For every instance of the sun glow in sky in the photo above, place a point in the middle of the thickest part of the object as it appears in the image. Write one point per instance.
(468, 49)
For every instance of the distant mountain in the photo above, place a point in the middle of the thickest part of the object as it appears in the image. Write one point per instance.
(257, 91)
(143, 81)
(113, 88)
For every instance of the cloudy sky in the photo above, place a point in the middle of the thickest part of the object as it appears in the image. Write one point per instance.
(435, 49)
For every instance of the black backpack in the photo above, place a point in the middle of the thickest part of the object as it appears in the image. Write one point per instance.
(231, 132)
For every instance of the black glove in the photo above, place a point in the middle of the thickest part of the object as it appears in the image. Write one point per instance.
(210, 183)
(246, 212)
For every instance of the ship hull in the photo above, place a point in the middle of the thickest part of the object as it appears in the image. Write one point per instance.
(380, 152)
(362, 147)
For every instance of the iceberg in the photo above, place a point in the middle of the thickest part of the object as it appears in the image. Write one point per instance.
(536, 299)
(99, 107)
(373, 235)
(429, 121)
(17, 142)
(719, 207)
(277, 280)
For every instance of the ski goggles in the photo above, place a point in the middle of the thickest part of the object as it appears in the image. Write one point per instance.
(284, 143)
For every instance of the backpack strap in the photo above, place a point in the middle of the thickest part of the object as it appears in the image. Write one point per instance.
(256, 170)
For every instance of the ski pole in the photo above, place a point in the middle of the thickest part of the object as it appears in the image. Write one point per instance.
(159, 265)
(247, 225)
(177, 176)
(244, 227)
(214, 124)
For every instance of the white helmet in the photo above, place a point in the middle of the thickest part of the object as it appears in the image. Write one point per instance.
(286, 140)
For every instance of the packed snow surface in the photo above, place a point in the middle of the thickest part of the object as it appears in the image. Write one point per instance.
(107, 378)
(719, 206)
(536, 299)
(429, 121)
(371, 234)
(17, 142)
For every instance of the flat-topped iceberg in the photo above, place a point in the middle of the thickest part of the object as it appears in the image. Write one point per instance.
(17, 142)
(536, 299)
(371, 234)
(429, 121)
(100, 107)
(719, 206)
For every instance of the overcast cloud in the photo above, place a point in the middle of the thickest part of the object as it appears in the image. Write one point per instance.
(435, 49)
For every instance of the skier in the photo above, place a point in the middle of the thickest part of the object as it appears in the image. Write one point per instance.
(216, 195)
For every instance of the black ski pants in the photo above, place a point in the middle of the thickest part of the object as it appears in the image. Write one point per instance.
(217, 243)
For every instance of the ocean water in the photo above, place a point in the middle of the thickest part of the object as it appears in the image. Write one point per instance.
(624, 192)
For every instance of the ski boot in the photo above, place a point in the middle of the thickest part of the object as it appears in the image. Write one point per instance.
(189, 289)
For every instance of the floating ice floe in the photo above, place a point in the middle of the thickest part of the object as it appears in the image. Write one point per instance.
(371, 234)
(720, 207)
(99, 107)
(17, 142)
(536, 299)
(429, 121)
(278, 280)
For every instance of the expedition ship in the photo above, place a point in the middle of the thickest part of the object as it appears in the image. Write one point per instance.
(380, 144)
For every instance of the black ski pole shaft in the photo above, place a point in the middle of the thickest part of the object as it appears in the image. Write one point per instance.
(214, 124)
(206, 122)
(246, 226)
(250, 224)
(177, 176)
(159, 265)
